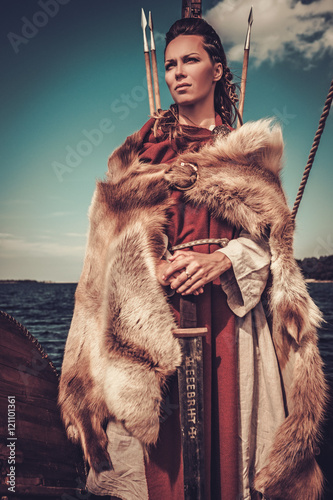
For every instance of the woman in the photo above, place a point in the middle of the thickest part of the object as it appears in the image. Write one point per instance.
(200, 83)
(119, 378)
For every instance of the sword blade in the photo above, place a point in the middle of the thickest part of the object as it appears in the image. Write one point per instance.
(190, 384)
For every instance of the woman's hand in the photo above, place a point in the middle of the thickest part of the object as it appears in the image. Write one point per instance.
(162, 267)
(194, 270)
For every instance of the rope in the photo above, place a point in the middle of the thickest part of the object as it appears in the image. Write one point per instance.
(313, 151)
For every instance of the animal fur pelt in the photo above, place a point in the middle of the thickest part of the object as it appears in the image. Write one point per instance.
(120, 349)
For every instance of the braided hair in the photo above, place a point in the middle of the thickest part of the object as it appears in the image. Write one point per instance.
(225, 96)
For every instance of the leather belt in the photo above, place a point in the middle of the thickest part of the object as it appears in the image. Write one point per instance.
(222, 242)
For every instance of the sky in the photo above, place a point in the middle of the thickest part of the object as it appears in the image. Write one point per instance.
(73, 88)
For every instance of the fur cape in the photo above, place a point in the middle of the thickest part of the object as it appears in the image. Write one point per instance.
(120, 348)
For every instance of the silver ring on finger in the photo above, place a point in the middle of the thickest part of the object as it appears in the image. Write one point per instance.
(189, 276)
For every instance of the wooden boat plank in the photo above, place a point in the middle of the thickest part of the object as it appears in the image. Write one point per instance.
(39, 492)
(29, 450)
(41, 433)
(30, 382)
(53, 465)
(15, 335)
(8, 388)
(27, 411)
(35, 473)
(48, 474)
(47, 464)
(11, 356)
(18, 334)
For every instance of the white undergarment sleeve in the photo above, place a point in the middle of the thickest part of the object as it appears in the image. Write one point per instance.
(246, 280)
(261, 406)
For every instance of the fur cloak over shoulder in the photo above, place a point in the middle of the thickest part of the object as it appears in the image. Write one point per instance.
(120, 348)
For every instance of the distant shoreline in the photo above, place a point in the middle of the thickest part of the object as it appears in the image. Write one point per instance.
(14, 282)
(317, 269)
(311, 280)
(314, 270)
(17, 282)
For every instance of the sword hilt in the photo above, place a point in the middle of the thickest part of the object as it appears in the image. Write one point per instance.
(190, 332)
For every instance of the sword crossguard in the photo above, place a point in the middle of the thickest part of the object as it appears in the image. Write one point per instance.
(190, 332)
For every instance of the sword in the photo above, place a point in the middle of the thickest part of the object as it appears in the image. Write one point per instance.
(190, 373)
(190, 385)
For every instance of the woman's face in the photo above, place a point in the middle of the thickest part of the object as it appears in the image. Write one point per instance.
(189, 72)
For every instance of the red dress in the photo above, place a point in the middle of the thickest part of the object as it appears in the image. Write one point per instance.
(164, 471)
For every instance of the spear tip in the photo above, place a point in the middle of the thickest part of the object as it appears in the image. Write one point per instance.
(250, 20)
(248, 34)
(143, 26)
(143, 19)
(152, 40)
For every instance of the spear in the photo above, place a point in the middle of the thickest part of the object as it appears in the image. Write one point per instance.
(154, 63)
(147, 61)
(245, 66)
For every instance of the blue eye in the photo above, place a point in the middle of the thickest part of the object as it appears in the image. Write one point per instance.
(192, 59)
(168, 66)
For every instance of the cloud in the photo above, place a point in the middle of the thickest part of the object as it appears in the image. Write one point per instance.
(159, 38)
(281, 28)
(11, 246)
(76, 235)
(56, 214)
(27, 215)
(15, 202)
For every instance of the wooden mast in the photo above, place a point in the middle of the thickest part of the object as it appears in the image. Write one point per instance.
(191, 8)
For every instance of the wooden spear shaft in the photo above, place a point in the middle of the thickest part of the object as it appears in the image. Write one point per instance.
(243, 85)
(149, 84)
(155, 78)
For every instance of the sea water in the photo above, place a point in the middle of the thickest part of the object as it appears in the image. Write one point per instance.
(46, 310)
